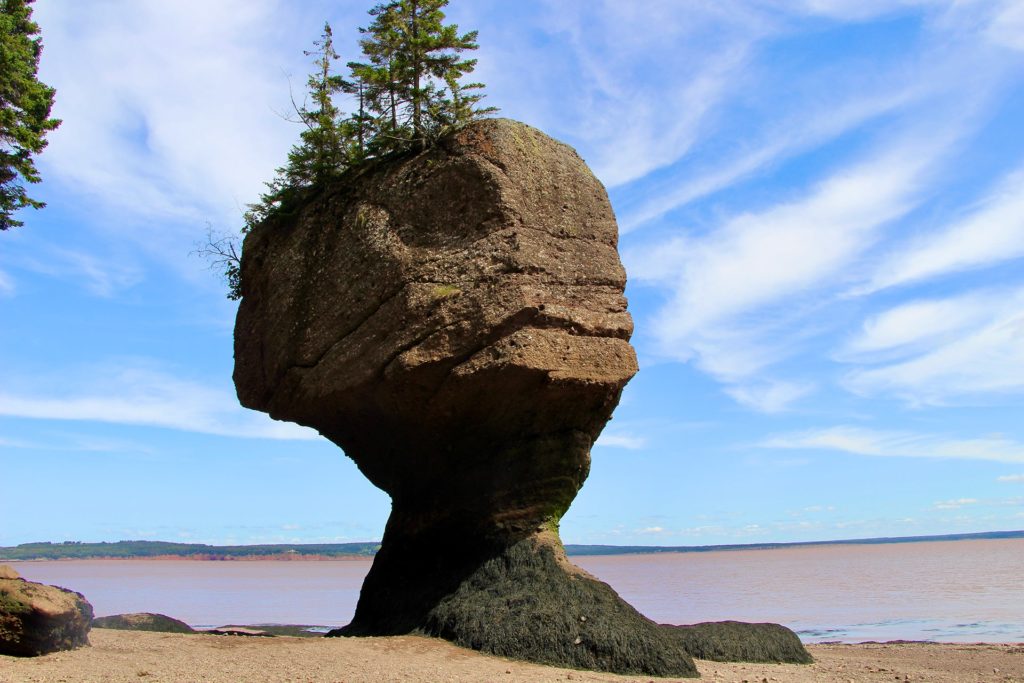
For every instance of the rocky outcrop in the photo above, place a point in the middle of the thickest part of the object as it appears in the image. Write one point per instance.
(143, 621)
(455, 321)
(36, 619)
(736, 641)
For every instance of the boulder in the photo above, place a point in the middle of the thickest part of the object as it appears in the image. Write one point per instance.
(36, 619)
(736, 641)
(142, 621)
(454, 320)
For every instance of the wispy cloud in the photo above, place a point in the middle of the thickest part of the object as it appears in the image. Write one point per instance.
(6, 285)
(726, 287)
(979, 362)
(621, 440)
(993, 232)
(770, 397)
(602, 88)
(103, 276)
(793, 133)
(859, 441)
(139, 395)
(1012, 478)
(920, 324)
(77, 443)
(954, 504)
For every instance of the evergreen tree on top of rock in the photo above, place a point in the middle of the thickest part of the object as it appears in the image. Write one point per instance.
(407, 91)
(413, 70)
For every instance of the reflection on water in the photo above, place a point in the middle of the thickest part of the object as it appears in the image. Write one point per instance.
(950, 591)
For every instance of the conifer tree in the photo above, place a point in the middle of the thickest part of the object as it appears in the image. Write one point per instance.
(323, 149)
(414, 58)
(408, 91)
(25, 105)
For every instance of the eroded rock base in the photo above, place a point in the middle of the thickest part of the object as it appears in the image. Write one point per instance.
(524, 601)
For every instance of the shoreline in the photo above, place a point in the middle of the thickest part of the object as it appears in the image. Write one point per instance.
(121, 656)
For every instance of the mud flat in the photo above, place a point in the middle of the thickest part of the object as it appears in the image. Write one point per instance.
(153, 657)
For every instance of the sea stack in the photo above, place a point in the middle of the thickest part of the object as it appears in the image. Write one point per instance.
(454, 320)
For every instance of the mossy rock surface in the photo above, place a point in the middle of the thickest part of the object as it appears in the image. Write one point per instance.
(736, 641)
(143, 621)
(527, 601)
(36, 619)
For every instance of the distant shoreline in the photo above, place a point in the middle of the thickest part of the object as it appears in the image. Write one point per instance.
(321, 552)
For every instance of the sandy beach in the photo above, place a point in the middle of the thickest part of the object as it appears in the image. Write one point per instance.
(118, 656)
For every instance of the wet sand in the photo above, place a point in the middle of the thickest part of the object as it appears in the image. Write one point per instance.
(119, 656)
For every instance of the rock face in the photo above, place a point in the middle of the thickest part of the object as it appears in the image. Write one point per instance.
(36, 619)
(735, 641)
(143, 621)
(455, 321)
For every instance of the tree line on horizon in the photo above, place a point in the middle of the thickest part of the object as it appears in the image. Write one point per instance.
(407, 92)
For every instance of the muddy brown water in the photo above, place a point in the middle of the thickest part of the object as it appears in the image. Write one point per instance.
(947, 591)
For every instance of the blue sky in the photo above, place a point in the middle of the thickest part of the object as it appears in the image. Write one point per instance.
(822, 214)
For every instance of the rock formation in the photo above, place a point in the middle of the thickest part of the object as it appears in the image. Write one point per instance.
(36, 619)
(455, 321)
(143, 621)
(735, 641)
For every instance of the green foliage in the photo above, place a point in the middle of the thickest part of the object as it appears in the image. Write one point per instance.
(25, 105)
(412, 73)
(408, 93)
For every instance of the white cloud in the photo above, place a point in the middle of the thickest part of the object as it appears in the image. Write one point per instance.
(861, 441)
(6, 285)
(755, 259)
(922, 323)
(652, 530)
(103, 275)
(859, 10)
(620, 440)
(1006, 27)
(184, 119)
(982, 364)
(739, 294)
(137, 395)
(792, 134)
(955, 504)
(992, 233)
(1012, 478)
(78, 443)
(770, 397)
(636, 84)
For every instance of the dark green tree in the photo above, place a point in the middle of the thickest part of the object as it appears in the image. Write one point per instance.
(25, 105)
(415, 65)
(324, 150)
(408, 92)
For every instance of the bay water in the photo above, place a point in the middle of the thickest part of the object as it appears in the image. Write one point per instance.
(945, 591)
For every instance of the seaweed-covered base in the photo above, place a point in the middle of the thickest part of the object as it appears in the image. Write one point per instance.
(524, 601)
(143, 621)
(734, 641)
